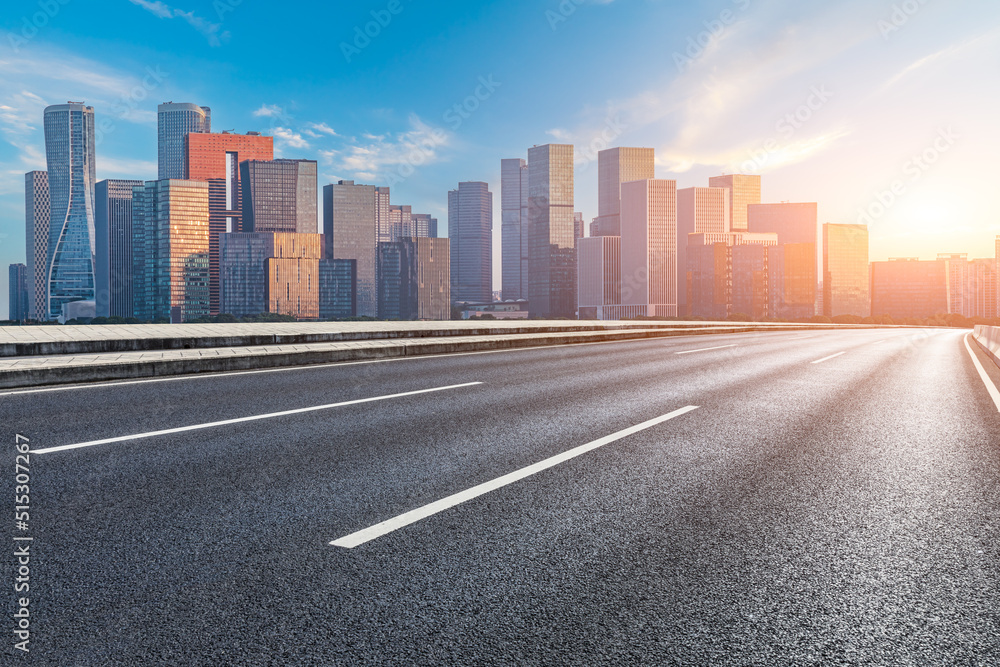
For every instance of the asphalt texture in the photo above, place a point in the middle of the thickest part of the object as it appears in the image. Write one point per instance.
(843, 512)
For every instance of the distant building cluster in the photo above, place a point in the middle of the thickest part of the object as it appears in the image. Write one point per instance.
(227, 229)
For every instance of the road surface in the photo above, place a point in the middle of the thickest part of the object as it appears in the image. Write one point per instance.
(757, 499)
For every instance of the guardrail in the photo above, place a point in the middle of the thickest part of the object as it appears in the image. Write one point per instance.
(989, 339)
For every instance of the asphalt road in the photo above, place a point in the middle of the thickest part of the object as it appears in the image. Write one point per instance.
(840, 512)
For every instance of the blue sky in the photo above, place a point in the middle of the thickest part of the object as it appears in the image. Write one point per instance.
(838, 102)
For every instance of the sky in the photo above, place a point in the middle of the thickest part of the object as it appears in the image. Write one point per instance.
(884, 112)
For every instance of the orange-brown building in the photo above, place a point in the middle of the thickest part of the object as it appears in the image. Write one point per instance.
(792, 280)
(216, 158)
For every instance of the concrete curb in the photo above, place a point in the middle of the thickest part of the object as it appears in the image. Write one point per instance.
(397, 348)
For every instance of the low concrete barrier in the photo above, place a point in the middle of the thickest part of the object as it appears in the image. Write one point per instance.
(59, 369)
(989, 339)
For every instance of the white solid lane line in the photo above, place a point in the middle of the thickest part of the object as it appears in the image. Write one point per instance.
(707, 349)
(990, 387)
(196, 427)
(385, 527)
(832, 356)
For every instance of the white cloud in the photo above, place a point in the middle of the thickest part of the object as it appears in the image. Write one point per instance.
(716, 108)
(417, 146)
(211, 31)
(268, 111)
(290, 138)
(315, 130)
(32, 79)
(21, 113)
(157, 8)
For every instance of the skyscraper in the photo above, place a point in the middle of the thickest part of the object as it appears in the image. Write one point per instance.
(514, 228)
(17, 305)
(956, 269)
(699, 211)
(113, 256)
(173, 123)
(552, 266)
(36, 236)
(424, 226)
(599, 277)
(279, 196)
(267, 272)
(798, 224)
(337, 296)
(729, 274)
(170, 230)
(470, 230)
(401, 223)
(351, 229)
(648, 218)
(579, 226)
(744, 190)
(415, 279)
(845, 270)
(69, 152)
(215, 158)
(793, 222)
(383, 218)
(614, 167)
(981, 289)
(907, 287)
(792, 280)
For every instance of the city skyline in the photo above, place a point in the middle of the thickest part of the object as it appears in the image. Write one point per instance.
(847, 93)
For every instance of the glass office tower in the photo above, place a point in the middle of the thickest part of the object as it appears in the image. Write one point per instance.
(552, 267)
(17, 306)
(279, 196)
(470, 228)
(113, 257)
(514, 228)
(744, 191)
(616, 166)
(173, 123)
(351, 227)
(845, 270)
(69, 151)
(170, 250)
